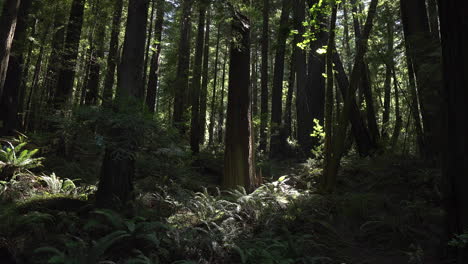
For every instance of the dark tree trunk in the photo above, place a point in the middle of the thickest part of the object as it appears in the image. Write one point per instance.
(389, 68)
(239, 152)
(276, 142)
(264, 77)
(205, 80)
(7, 32)
(215, 85)
(183, 64)
(66, 76)
(196, 82)
(454, 36)
(152, 89)
(9, 101)
(118, 169)
(366, 83)
(289, 99)
(398, 117)
(221, 100)
(112, 58)
(423, 52)
(149, 39)
(302, 107)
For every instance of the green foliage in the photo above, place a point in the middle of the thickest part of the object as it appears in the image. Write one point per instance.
(18, 158)
(319, 134)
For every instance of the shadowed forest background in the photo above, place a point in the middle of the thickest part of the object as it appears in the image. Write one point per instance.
(233, 131)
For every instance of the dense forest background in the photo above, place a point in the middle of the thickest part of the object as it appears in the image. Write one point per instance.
(233, 131)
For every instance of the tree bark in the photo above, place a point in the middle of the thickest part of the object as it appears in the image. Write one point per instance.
(276, 126)
(113, 57)
(7, 32)
(221, 100)
(205, 80)
(264, 77)
(66, 76)
(152, 89)
(239, 147)
(454, 36)
(196, 82)
(215, 85)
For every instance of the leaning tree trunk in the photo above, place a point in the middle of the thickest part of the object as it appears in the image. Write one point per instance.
(118, 166)
(7, 31)
(239, 147)
(454, 36)
(10, 99)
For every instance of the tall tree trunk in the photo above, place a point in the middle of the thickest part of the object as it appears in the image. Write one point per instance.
(389, 68)
(92, 86)
(117, 171)
(454, 36)
(7, 32)
(215, 85)
(264, 76)
(149, 39)
(340, 136)
(398, 117)
(302, 107)
(9, 100)
(205, 80)
(152, 89)
(66, 76)
(196, 82)
(239, 147)
(183, 64)
(423, 52)
(221, 100)
(289, 98)
(328, 178)
(276, 142)
(112, 58)
(433, 19)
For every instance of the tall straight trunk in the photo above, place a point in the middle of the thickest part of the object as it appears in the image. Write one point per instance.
(346, 38)
(183, 64)
(254, 78)
(205, 80)
(221, 100)
(149, 38)
(55, 61)
(340, 136)
(302, 107)
(9, 100)
(454, 36)
(328, 178)
(423, 52)
(289, 98)
(433, 19)
(7, 32)
(117, 171)
(389, 65)
(29, 115)
(196, 82)
(215, 85)
(315, 89)
(151, 92)
(92, 86)
(239, 146)
(264, 76)
(112, 58)
(276, 142)
(66, 76)
(25, 77)
(398, 117)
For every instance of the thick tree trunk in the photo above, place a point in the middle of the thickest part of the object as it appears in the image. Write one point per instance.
(7, 32)
(264, 77)
(276, 142)
(196, 82)
(239, 148)
(454, 36)
(152, 89)
(66, 76)
(112, 58)
(423, 50)
(183, 64)
(118, 169)
(9, 101)
(205, 80)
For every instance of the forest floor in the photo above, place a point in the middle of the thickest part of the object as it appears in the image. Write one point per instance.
(385, 210)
